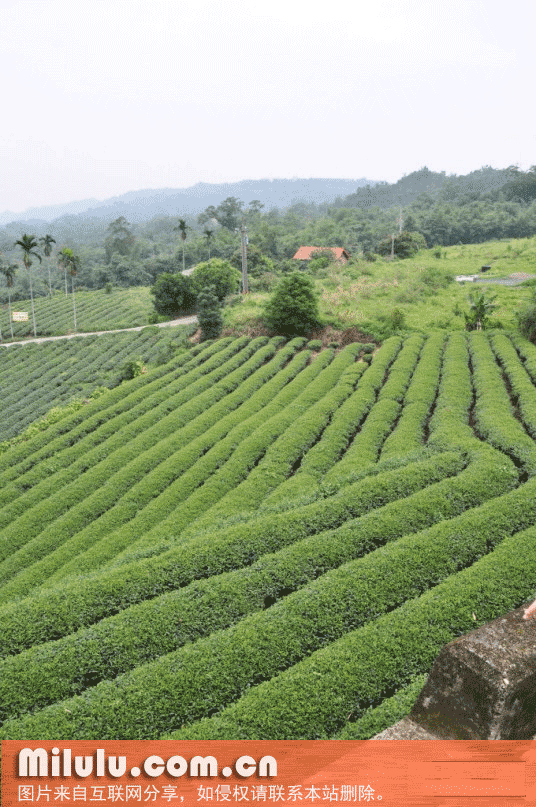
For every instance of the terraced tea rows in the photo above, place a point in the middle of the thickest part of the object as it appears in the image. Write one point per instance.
(34, 378)
(95, 311)
(258, 541)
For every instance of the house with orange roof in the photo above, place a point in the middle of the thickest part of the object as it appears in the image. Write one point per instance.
(306, 253)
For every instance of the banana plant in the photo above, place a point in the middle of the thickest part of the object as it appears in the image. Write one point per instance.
(481, 306)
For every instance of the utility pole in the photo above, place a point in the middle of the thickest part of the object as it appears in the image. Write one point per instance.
(244, 242)
(400, 221)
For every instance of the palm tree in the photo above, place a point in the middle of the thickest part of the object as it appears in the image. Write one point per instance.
(181, 228)
(208, 234)
(70, 263)
(28, 244)
(47, 242)
(9, 274)
(63, 265)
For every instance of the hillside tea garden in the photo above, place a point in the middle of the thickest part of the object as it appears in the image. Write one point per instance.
(263, 539)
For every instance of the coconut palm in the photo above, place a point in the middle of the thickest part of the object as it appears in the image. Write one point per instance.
(181, 228)
(47, 242)
(28, 244)
(9, 274)
(70, 262)
(208, 235)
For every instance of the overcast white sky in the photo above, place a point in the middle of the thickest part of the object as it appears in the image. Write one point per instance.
(105, 96)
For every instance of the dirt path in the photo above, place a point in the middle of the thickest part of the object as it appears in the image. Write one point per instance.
(513, 280)
(170, 324)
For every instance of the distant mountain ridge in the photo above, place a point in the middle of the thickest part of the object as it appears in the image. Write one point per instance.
(143, 205)
(452, 188)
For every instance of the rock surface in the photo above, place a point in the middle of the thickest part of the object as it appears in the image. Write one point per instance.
(482, 686)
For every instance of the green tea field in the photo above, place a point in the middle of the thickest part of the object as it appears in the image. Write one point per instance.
(35, 378)
(263, 540)
(95, 311)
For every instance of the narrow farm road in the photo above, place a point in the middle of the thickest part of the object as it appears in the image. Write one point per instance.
(170, 324)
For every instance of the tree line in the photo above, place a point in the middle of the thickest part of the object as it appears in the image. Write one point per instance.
(487, 204)
(30, 248)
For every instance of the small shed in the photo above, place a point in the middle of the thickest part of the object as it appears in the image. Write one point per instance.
(306, 253)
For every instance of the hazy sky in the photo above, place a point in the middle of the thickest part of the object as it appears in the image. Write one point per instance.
(105, 96)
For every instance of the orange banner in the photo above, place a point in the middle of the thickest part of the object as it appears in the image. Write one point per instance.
(398, 773)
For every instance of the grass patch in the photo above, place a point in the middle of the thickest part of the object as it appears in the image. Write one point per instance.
(364, 295)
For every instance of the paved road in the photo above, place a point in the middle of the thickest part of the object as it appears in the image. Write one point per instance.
(170, 324)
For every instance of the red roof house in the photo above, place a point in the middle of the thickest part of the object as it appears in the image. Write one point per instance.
(306, 253)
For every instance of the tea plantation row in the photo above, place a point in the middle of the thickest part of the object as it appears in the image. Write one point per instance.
(35, 378)
(95, 311)
(259, 541)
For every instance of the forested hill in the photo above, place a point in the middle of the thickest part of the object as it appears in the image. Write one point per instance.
(143, 205)
(457, 189)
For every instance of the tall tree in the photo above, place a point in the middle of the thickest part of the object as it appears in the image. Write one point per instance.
(9, 273)
(181, 228)
(208, 235)
(47, 242)
(62, 265)
(119, 239)
(228, 213)
(522, 185)
(70, 262)
(253, 212)
(28, 244)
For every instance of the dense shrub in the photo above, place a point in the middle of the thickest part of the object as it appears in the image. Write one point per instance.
(209, 314)
(132, 369)
(218, 273)
(405, 245)
(173, 294)
(526, 319)
(258, 264)
(433, 279)
(320, 259)
(265, 282)
(293, 307)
